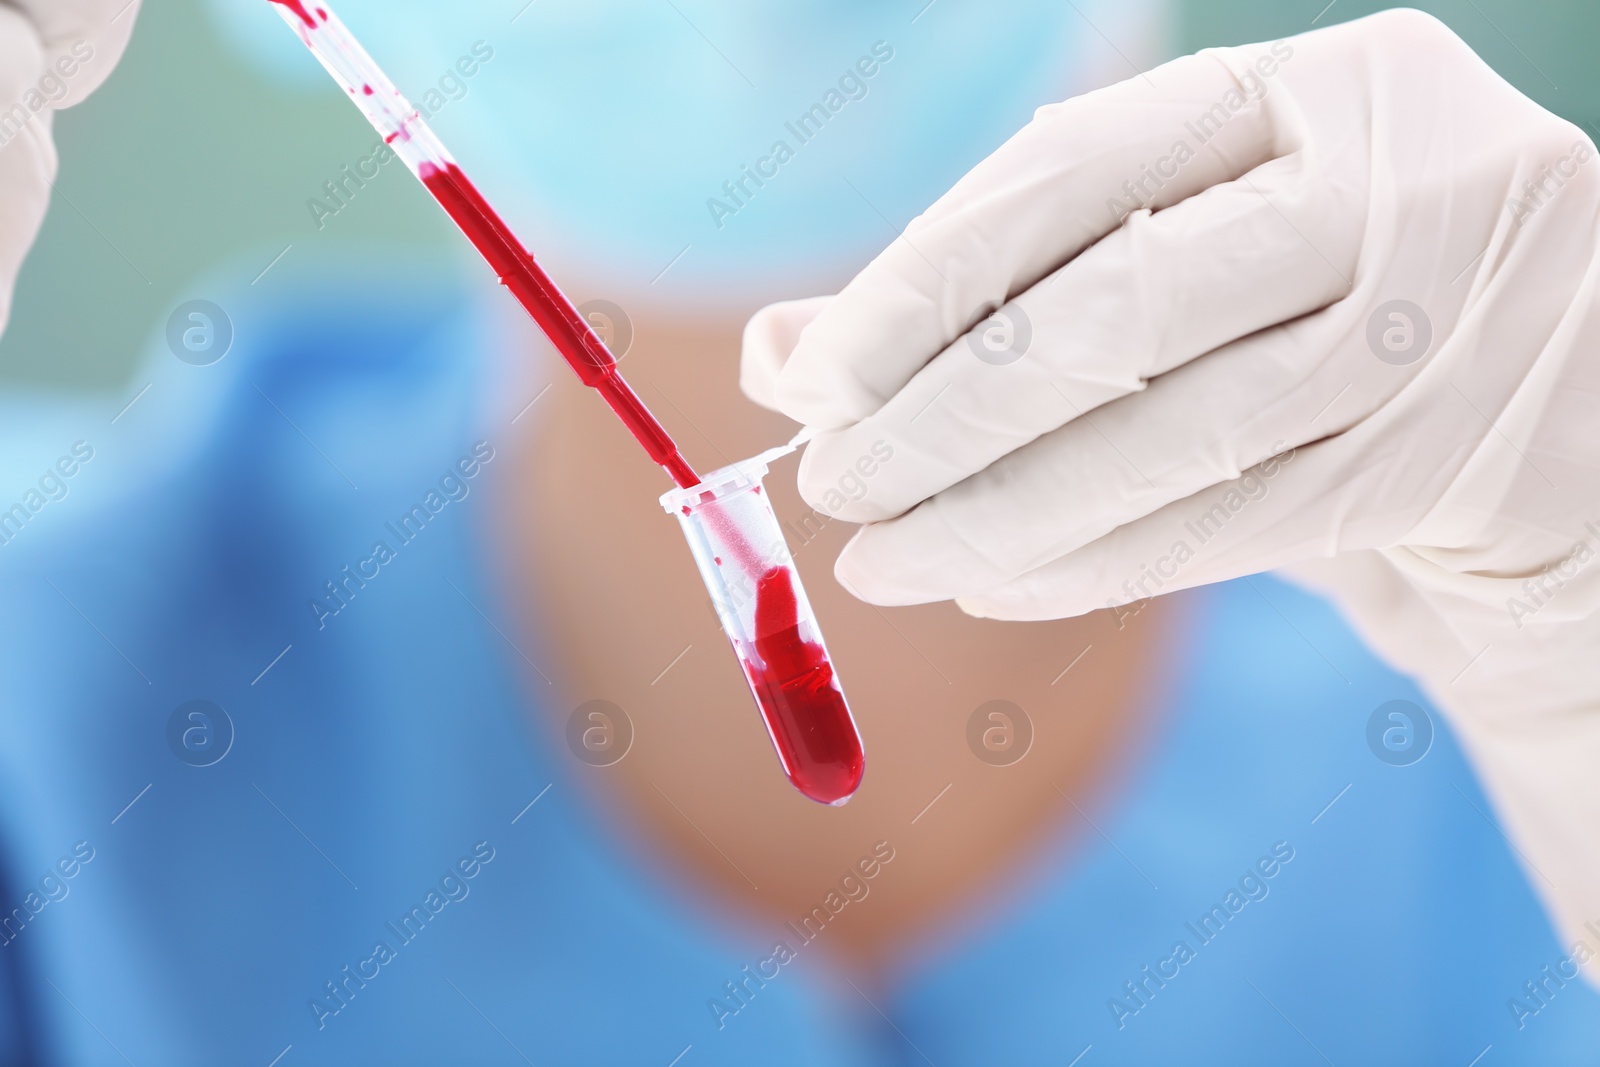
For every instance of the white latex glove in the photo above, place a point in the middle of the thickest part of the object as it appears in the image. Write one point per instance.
(1120, 455)
(53, 53)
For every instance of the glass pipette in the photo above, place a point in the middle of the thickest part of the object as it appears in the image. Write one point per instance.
(402, 127)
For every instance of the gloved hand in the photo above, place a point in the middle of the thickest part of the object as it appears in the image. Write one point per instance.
(53, 53)
(1326, 304)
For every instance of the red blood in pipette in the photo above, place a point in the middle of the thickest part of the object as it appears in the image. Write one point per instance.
(299, 8)
(568, 330)
(804, 709)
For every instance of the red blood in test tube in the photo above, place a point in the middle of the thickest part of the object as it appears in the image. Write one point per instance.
(804, 709)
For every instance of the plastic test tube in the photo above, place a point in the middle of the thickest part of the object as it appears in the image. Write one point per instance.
(750, 574)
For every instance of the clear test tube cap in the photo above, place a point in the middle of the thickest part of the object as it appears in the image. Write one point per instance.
(749, 573)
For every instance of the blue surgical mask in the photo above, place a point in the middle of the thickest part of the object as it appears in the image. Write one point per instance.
(717, 154)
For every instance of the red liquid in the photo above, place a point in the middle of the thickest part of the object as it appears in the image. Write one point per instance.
(806, 714)
(572, 335)
(300, 9)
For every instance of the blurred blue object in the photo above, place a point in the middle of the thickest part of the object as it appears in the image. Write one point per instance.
(371, 754)
(232, 911)
(1397, 932)
(609, 132)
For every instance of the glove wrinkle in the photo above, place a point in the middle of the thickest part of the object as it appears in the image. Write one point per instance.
(1377, 267)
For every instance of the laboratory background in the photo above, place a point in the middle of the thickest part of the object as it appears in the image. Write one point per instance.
(364, 705)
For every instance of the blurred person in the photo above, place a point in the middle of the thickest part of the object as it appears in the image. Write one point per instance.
(360, 847)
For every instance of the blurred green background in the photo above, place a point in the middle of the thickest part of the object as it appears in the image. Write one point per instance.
(189, 159)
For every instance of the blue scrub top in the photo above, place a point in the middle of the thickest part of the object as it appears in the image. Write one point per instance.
(360, 876)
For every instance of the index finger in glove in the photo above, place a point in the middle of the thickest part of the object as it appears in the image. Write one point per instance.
(769, 339)
(1037, 202)
(1164, 290)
